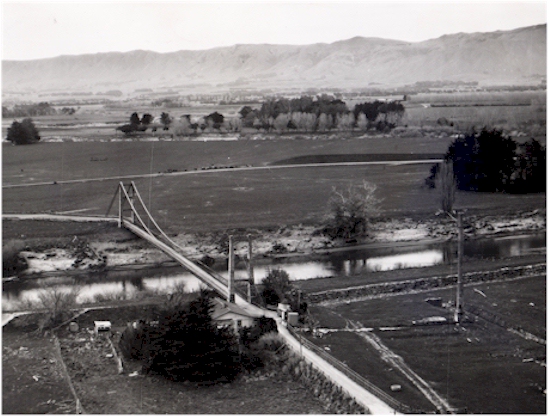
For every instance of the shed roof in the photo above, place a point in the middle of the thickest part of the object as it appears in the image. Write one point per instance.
(222, 307)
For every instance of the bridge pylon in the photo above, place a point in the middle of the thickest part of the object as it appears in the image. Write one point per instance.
(130, 205)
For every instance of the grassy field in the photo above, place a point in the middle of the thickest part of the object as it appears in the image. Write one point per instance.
(25, 356)
(479, 366)
(68, 160)
(202, 200)
(511, 110)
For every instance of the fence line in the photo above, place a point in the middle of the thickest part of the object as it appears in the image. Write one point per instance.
(354, 376)
(79, 409)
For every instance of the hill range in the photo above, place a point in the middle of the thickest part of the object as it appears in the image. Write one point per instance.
(516, 57)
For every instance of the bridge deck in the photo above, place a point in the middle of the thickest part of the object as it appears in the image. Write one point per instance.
(209, 279)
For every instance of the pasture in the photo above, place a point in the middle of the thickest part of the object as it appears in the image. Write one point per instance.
(479, 366)
(189, 198)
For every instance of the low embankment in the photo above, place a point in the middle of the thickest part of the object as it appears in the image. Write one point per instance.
(423, 284)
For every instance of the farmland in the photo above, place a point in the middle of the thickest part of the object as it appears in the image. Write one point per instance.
(456, 360)
(221, 182)
(194, 197)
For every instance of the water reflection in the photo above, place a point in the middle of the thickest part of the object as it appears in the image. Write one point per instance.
(125, 289)
(126, 284)
(410, 260)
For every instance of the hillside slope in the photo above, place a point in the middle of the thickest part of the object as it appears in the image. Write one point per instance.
(511, 57)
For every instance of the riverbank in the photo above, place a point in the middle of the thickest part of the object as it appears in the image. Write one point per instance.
(48, 246)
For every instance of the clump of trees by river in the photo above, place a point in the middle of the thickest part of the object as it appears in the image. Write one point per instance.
(489, 161)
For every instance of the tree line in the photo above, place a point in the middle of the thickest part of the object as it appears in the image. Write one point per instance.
(322, 113)
(304, 114)
(36, 109)
(489, 161)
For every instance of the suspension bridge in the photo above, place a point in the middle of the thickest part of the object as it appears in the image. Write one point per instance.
(134, 215)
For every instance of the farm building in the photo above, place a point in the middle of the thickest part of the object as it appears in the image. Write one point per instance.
(229, 314)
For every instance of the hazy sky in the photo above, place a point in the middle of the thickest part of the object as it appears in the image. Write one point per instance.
(40, 29)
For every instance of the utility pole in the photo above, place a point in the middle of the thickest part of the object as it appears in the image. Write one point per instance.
(250, 269)
(131, 194)
(230, 296)
(120, 202)
(459, 295)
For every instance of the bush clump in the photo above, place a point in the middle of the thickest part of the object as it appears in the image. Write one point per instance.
(23, 133)
(351, 210)
(255, 354)
(185, 345)
(12, 262)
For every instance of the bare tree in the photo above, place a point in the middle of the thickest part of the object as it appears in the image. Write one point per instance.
(57, 305)
(182, 127)
(351, 210)
(234, 124)
(281, 122)
(309, 121)
(446, 185)
(323, 122)
(362, 121)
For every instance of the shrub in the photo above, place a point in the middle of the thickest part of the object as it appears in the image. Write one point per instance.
(12, 263)
(58, 306)
(275, 286)
(131, 341)
(351, 210)
(186, 345)
(23, 133)
(253, 356)
(262, 325)
(269, 347)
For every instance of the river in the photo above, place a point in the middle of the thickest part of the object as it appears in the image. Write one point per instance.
(126, 284)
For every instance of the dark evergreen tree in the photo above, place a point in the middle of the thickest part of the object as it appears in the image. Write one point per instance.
(530, 172)
(186, 345)
(166, 120)
(483, 162)
(146, 119)
(490, 162)
(23, 133)
(134, 119)
(216, 119)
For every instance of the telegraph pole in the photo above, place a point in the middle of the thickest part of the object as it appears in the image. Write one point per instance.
(231, 271)
(250, 269)
(459, 294)
(120, 204)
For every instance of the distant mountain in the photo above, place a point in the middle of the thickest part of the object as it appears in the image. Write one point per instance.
(502, 57)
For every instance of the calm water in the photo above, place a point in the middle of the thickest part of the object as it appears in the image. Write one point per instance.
(352, 262)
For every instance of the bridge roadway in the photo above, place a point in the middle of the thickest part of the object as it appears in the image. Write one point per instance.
(361, 395)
